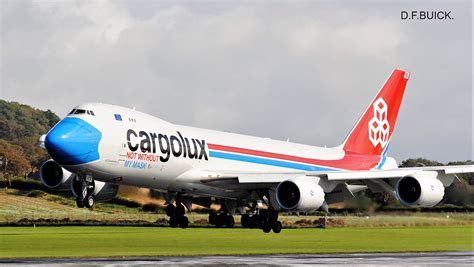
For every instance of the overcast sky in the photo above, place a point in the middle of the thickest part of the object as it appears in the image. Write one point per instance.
(299, 70)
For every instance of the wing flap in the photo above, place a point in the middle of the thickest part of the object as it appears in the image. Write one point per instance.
(277, 177)
(223, 176)
(396, 173)
(364, 175)
(462, 169)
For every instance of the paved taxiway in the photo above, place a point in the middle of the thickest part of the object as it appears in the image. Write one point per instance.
(372, 259)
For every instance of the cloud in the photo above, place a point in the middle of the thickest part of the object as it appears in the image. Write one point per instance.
(302, 71)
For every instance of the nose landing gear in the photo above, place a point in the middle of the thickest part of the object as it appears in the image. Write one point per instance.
(83, 187)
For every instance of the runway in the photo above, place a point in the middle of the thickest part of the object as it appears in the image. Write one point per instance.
(369, 259)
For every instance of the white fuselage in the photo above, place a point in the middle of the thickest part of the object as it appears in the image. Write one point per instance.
(142, 150)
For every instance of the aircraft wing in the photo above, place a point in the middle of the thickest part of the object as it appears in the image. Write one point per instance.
(396, 173)
(277, 177)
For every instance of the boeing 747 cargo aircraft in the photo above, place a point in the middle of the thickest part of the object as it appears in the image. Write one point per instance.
(98, 147)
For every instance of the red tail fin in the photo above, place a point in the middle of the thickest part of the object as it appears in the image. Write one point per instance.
(372, 133)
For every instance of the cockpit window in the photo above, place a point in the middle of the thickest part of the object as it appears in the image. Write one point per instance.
(80, 111)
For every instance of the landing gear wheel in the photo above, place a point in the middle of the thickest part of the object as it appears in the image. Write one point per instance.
(263, 218)
(266, 227)
(276, 227)
(89, 202)
(273, 216)
(245, 221)
(230, 221)
(213, 218)
(180, 210)
(183, 222)
(79, 203)
(170, 210)
(221, 220)
(254, 221)
(173, 221)
(83, 187)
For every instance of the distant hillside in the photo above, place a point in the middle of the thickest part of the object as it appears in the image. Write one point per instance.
(18, 121)
(20, 128)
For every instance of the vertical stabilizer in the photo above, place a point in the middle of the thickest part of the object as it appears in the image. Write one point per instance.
(372, 133)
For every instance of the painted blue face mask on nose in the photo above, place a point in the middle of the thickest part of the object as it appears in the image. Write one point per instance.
(73, 141)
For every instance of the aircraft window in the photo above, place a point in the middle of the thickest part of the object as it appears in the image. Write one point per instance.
(92, 113)
(72, 111)
(80, 111)
(88, 112)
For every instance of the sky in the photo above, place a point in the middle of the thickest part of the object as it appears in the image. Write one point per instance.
(303, 70)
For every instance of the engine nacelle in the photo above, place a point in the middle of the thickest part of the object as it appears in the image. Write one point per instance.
(300, 194)
(421, 189)
(101, 191)
(54, 176)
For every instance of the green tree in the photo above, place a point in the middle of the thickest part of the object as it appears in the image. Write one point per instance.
(18, 121)
(22, 125)
(418, 162)
(14, 161)
(35, 155)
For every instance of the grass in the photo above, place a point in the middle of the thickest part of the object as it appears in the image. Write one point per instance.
(27, 207)
(15, 207)
(383, 232)
(73, 241)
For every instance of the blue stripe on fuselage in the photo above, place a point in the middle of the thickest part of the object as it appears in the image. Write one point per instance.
(384, 157)
(265, 161)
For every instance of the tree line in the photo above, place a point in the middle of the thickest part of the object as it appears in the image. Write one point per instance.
(20, 129)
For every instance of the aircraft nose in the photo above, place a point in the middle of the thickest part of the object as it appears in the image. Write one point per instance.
(73, 141)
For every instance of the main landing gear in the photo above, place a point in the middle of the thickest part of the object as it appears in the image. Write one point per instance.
(224, 218)
(176, 214)
(267, 220)
(83, 186)
(221, 219)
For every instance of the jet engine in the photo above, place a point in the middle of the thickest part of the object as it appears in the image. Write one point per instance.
(54, 176)
(421, 189)
(101, 191)
(300, 194)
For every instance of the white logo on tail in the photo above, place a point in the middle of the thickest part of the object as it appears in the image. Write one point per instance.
(379, 127)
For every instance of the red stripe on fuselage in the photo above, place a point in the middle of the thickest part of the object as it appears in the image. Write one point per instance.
(350, 161)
